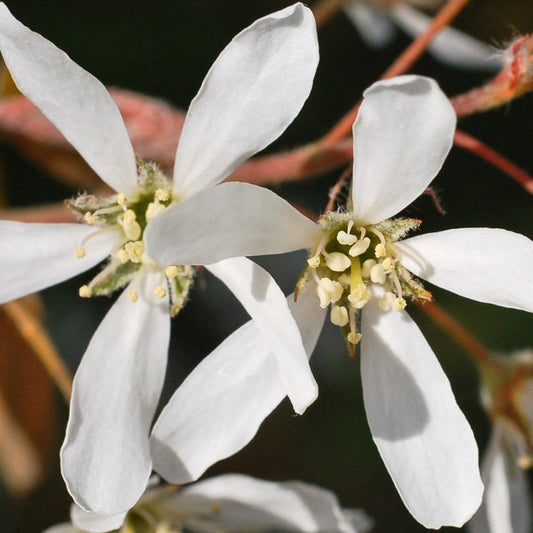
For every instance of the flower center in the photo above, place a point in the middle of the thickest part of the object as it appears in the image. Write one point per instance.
(130, 216)
(350, 261)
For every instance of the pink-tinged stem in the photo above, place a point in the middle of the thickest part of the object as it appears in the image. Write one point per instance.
(455, 329)
(514, 80)
(403, 63)
(474, 145)
(290, 166)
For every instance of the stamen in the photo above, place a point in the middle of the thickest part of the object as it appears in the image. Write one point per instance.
(377, 274)
(122, 256)
(360, 247)
(314, 262)
(380, 250)
(337, 261)
(90, 218)
(339, 315)
(171, 271)
(133, 295)
(385, 303)
(162, 195)
(121, 199)
(328, 291)
(85, 291)
(160, 292)
(367, 266)
(399, 304)
(79, 253)
(346, 238)
(153, 209)
(353, 337)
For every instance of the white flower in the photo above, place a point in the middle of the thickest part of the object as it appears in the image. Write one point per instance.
(227, 503)
(452, 47)
(251, 94)
(507, 394)
(402, 136)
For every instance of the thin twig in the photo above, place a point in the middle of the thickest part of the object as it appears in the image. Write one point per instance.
(35, 335)
(455, 329)
(402, 64)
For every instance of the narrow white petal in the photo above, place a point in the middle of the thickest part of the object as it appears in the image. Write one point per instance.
(374, 27)
(485, 264)
(451, 46)
(74, 100)
(506, 506)
(264, 301)
(402, 135)
(218, 409)
(421, 434)
(245, 503)
(36, 256)
(230, 220)
(105, 457)
(253, 91)
(94, 522)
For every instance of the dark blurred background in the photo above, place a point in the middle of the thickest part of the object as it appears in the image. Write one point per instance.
(164, 49)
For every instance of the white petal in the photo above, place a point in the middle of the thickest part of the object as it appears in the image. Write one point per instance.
(402, 135)
(253, 91)
(244, 503)
(421, 434)
(230, 220)
(219, 407)
(36, 256)
(451, 46)
(74, 100)
(488, 265)
(266, 304)
(506, 506)
(105, 457)
(62, 528)
(95, 522)
(374, 27)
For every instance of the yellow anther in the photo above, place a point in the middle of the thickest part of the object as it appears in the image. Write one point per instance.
(399, 304)
(171, 271)
(79, 253)
(328, 291)
(162, 195)
(377, 274)
(367, 267)
(123, 256)
(121, 198)
(525, 461)
(314, 262)
(160, 292)
(85, 291)
(388, 264)
(135, 251)
(346, 238)
(360, 247)
(90, 218)
(133, 295)
(385, 303)
(154, 209)
(380, 250)
(338, 262)
(339, 315)
(353, 337)
(129, 216)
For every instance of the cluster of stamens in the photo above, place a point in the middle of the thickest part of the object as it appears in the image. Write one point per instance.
(129, 217)
(349, 260)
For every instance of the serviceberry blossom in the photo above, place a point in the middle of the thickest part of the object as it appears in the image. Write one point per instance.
(227, 503)
(362, 271)
(507, 394)
(376, 21)
(252, 92)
